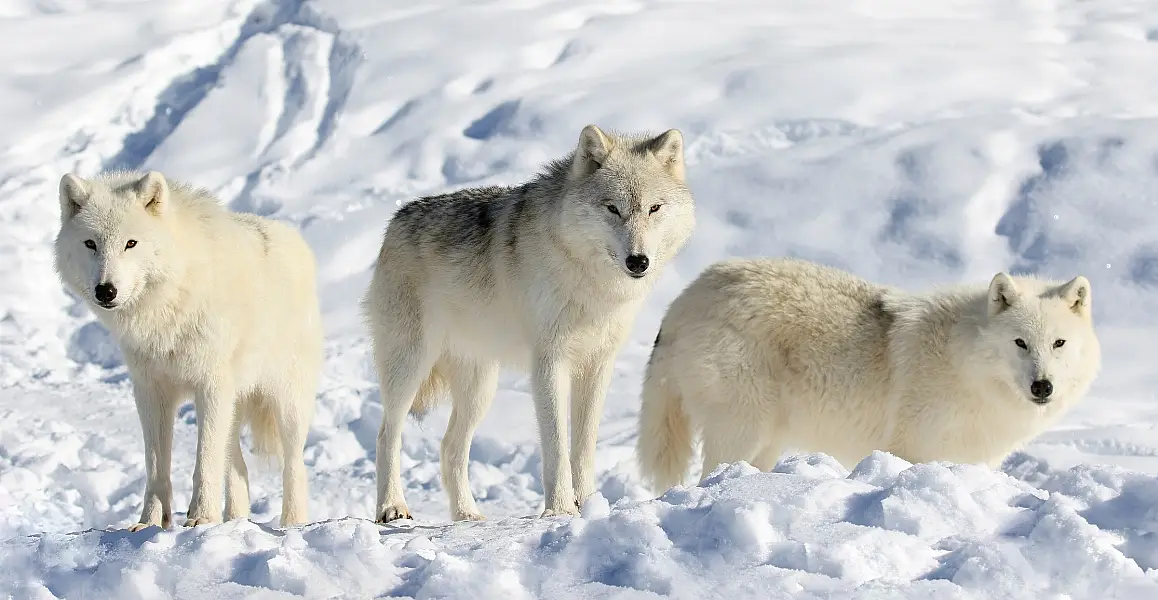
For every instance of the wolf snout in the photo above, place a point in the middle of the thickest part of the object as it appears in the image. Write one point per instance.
(1041, 390)
(105, 293)
(637, 264)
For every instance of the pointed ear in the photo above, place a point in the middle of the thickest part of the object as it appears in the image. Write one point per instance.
(153, 191)
(1076, 293)
(74, 192)
(1002, 293)
(594, 146)
(668, 147)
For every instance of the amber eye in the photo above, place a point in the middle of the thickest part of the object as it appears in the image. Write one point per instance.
(654, 208)
(611, 209)
(91, 245)
(130, 244)
(1059, 343)
(1021, 344)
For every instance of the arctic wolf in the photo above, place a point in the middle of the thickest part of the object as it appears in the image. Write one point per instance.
(765, 355)
(546, 277)
(205, 303)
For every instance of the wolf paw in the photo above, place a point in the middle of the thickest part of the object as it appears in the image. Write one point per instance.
(556, 512)
(135, 527)
(468, 516)
(198, 521)
(394, 513)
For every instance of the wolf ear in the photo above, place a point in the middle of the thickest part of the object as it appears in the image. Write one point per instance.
(668, 147)
(594, 145)
(74, 192)
(1002, 293)
(1076, 293)
(153, 192)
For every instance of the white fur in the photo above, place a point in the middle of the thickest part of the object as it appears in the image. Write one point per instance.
(533, 278)
(766, 355)
(211, 304)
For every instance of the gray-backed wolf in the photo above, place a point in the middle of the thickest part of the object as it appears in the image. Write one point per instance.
(546, 277)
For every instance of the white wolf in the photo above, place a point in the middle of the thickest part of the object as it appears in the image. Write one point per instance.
(546, 277)
(763, 355)
(206, 303)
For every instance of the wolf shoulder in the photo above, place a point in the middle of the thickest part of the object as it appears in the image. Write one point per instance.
(239, 238)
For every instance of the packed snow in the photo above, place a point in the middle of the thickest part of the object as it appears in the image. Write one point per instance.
(914, 143)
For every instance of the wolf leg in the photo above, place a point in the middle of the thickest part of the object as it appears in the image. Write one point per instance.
(237, 474)
(402, 369)
(293, 422)
(727, 441)
(157, 408)
(550, 380)
(215, 405)
(589, 390)
(472, 388)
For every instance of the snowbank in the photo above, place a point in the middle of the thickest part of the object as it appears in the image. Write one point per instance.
(807, 529)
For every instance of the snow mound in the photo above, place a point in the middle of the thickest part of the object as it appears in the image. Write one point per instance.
(808, 528)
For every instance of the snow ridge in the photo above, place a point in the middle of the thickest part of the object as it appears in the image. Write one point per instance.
(808, 529)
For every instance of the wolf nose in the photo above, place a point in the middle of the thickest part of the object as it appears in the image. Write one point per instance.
(1041, 388)
(106, 292)
(637, 263)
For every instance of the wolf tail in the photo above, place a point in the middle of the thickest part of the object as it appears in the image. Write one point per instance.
(430, 393)
(263, 426)
(664, 446)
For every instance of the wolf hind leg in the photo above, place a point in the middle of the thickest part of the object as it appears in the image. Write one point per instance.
(768, 456)
(472, 388)
(728, 441)
(293, 415)
(236, 481)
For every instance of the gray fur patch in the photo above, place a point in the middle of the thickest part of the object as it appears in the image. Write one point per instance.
(254, 224)
(880, 313)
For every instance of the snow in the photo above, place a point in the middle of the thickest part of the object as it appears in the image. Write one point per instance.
(912, 143)
(809, 528)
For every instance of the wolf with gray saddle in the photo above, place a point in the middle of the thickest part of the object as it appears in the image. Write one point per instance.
(545, 277)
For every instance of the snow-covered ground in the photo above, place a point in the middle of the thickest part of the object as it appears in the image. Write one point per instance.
(911, 142)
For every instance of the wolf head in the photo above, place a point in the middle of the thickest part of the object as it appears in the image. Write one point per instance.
(626, 203)
(113, 237)
(1040, 338)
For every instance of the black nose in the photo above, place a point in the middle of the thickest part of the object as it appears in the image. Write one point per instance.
(1041, 388)
(106, 292)
(637, 263)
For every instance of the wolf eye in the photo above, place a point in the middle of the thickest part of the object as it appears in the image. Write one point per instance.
(91, 245)
(611, 209)
(1021, 344)
(1059, 343)
(130, 244)
(654, 208)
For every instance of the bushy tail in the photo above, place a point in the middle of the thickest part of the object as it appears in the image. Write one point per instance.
(263, 426)
(664, 447)
(430, 393)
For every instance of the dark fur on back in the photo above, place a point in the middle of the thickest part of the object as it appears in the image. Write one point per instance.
(462, 218)
(461, 226)
(474, 231)
(470, 218)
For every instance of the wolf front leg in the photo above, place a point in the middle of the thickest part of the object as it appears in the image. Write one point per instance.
(589, 390)
(550, 380)
(157, 408)
(215, 413)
